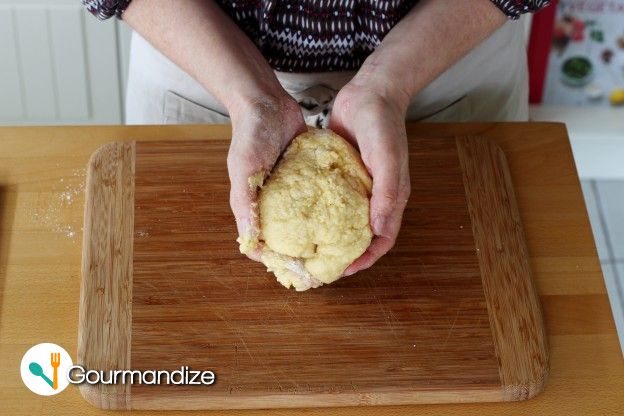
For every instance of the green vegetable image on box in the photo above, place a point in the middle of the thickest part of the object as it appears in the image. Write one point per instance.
(577, 71)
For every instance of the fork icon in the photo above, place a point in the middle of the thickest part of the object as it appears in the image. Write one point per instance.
(55, 361)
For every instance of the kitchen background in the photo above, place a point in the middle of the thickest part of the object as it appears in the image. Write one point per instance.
(59, 65)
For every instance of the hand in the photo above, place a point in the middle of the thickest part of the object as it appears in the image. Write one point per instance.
(374, 120)
(262, 128)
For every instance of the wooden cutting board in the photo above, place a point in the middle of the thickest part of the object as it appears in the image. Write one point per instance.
(449, 315)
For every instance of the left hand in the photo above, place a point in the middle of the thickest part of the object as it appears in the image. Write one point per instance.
(374, 120)
(262, 127)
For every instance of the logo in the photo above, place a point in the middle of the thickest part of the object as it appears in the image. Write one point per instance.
(44, 369)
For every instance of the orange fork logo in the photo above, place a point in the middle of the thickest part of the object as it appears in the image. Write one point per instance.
(55, 361)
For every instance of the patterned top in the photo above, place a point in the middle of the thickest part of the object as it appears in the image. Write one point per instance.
(316, 35)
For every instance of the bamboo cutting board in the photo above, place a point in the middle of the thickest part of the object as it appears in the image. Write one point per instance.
(449, 315)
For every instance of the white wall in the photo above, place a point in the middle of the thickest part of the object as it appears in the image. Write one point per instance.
(60, 65)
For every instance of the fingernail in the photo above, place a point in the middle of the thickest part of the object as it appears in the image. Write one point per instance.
(348, 273)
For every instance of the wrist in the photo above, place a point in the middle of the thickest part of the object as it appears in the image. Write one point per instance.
(382, 81)
(372, 91)
(261, 103)
(267, 115)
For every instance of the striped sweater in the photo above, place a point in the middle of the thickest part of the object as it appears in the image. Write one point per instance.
(316, 35)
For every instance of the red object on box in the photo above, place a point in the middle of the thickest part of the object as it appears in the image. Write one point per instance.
(539, 49)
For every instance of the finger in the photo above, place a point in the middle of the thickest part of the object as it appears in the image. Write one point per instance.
(378, 247)
(382, 242)
(243, 198)
(390, 191)
(385, 234)
(244, 207)
(391, 188)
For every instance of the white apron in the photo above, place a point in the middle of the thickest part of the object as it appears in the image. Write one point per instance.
(488, 84)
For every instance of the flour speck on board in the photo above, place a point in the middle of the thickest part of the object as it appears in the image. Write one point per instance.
(62, 214)
(66, 197)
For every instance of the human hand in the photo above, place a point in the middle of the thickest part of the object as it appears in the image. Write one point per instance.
(262, 127)
(374, 120)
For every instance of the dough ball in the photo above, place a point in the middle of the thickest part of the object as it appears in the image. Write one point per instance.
(314, 211)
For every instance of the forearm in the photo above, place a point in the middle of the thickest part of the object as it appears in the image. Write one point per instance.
(429, 40)
(201, 39)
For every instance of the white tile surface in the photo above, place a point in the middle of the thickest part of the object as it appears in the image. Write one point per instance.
(611, 200)
(596, 137)
(614, 280)
(595, 218)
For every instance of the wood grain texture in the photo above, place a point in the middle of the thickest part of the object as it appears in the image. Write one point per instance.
(413, 329)
(513, 306)
(37, 163)
(105, 318)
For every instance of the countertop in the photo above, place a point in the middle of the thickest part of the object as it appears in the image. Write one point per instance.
(42, 174)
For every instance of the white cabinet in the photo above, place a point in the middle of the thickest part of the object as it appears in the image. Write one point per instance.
(60, 65)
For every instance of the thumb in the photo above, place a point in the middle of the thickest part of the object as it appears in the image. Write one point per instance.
(243, 201)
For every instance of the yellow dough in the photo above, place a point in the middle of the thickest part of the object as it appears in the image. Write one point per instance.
(314, 211)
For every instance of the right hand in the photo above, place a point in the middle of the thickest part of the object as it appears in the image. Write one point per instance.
(373, 117)
(262, 127)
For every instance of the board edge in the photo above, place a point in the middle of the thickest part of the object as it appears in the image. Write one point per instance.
(199, 401)
(108, 235)
(520, 341)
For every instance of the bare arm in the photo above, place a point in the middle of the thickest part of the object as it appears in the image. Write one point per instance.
(201, 39)
(429, 40)
(371, 108)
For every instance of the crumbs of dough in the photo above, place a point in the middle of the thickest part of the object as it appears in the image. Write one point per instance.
(256, 180)
(289, 271)
(247, 244)
(250, 242)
